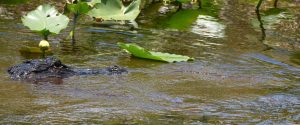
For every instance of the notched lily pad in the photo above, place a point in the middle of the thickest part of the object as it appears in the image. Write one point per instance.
(141, 52)
(45, 19)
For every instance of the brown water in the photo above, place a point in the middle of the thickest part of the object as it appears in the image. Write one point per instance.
(234, 79)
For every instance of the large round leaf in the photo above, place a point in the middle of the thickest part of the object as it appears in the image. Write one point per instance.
(115, 10)
(45, 18)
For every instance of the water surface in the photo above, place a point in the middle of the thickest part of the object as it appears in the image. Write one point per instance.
(234, 79)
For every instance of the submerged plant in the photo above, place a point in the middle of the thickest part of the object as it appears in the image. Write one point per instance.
(141, 52)
(46, 20)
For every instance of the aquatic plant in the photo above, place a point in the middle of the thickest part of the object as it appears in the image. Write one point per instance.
(141, 52)
(13, 1)
(115, 10)
(44, 45)
(46, 20)
(76, 8)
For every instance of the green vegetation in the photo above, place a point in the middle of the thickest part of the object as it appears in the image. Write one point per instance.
(13, 1)
(45, 20)
(44, 46)
(140, 52)
(208, 7)
(76, 8)
(115, 10)
(183, 1)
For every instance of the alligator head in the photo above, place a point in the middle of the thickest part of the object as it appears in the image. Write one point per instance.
(39, 68)
(51, 67)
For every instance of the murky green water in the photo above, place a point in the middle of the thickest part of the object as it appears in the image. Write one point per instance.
(234, 79)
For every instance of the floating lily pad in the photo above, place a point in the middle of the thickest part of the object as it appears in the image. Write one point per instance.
(33, 50)
(45, 19)
(115, 10)
(141, 52)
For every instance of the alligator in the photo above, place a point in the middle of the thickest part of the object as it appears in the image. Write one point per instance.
(51, 67)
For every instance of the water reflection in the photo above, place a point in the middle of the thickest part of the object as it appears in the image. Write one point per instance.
(208, 26)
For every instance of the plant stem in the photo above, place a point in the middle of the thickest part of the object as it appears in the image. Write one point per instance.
(199, 4)
(75, 17)
(275, 3)
(180, 6)
(43, 53)
(45, 35)
(258, 6)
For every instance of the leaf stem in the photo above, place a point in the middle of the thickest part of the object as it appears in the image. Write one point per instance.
(275, 3)
(75, 17)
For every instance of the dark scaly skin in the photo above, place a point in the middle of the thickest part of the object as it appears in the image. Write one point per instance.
(53, 68)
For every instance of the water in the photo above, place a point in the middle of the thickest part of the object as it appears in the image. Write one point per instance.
(234, 79)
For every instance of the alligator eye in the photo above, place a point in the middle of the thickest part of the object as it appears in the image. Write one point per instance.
(57, 63)
(115, 68)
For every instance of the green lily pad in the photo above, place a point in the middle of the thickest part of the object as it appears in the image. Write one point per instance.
(45, 19)
(141, 52)
(115, 10)
(33, 50)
